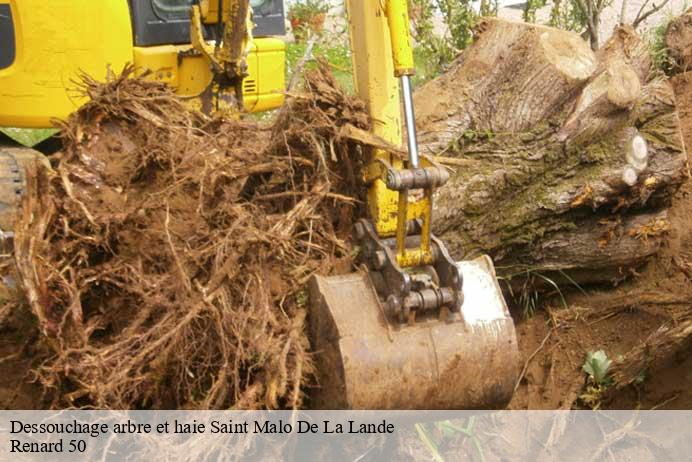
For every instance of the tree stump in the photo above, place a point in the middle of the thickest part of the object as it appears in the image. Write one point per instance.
(564, 160)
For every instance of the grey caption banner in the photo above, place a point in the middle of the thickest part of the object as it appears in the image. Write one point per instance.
(345, 435)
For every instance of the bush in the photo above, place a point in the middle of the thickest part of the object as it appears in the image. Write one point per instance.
(459, 19)
(660, 56)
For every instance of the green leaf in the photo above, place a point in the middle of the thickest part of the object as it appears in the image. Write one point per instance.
(596, 366)
(28, 136)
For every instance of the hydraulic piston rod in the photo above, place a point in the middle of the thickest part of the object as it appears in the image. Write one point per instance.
(402, 55)
(410, 121)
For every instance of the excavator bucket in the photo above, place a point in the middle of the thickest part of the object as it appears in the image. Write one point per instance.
(367, 361)
(416, 329)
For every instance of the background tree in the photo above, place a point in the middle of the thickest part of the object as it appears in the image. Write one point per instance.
(581, 16)
(458, 18)
(643, 12)
(584, 16)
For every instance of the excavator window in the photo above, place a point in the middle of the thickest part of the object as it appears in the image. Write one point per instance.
(163, 22)
(7, 43)
(175, 4)
(160, 22)
(173, 9)
(268, 17)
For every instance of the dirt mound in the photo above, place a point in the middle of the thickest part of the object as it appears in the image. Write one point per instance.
(163, 256)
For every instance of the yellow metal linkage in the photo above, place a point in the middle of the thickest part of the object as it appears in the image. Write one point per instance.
(382, 51)
(375, 83)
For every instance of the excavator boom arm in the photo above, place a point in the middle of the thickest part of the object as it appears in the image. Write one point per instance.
(416, 330)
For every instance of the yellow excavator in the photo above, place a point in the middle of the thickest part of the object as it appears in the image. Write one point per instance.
(44, 45)
(413, 329)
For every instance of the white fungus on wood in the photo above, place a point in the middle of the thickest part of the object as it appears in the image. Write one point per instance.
(638, 153)
(629, 175)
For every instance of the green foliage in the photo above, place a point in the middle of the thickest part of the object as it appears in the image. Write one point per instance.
(302, 298)
(530, 9)
(660, 56)
(437, 50)
(29, 137)
(529, 297)
(304, 10)
(529, 300)
(427, 65)
(596, 367)
(459, 19)
(338, 56)
(432, 53)
(567, 15)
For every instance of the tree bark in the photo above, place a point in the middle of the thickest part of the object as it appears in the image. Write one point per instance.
(565, 160)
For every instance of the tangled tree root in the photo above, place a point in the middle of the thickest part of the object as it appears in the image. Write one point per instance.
(164, 254)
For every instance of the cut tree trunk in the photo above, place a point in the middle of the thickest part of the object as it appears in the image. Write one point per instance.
(679, 41)
(565, 160)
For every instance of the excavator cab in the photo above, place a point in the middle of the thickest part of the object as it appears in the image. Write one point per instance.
(215, 54)
(414, 329)
(45, 45)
